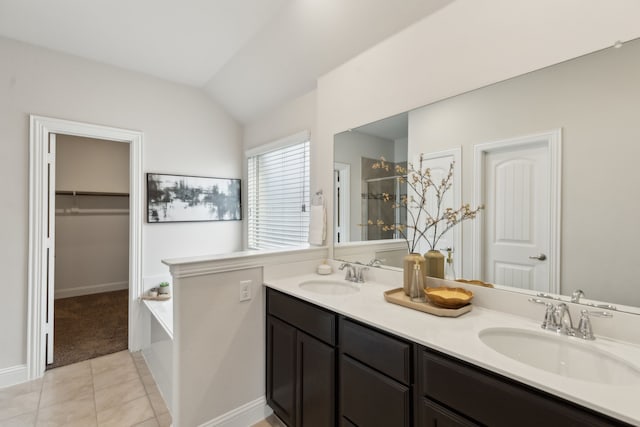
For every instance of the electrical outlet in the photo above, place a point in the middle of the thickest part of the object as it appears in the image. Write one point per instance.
(245, 290)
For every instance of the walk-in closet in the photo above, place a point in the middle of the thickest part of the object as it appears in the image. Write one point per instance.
(91, 249)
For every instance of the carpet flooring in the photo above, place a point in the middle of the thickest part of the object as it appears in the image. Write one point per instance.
(89, 326)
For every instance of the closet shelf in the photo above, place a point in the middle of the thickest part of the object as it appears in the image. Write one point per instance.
(90, 193)
(76, 211)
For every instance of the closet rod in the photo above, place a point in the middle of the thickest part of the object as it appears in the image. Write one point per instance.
(91, 193)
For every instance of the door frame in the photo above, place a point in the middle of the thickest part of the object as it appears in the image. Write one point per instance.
(552, 140)
(39, 129)
(456, 154)
(345, 199)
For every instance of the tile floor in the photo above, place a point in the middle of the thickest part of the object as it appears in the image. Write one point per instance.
(271, 421)
(113, 390)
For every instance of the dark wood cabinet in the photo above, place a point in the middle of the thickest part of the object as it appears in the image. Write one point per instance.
(281, 369)
(477, 395)
(434, 415)
(316, 379)
(371, 399)
(325, 370)
(375, 377)
(301, 368)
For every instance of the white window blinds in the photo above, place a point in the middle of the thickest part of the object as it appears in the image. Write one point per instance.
(278, 196)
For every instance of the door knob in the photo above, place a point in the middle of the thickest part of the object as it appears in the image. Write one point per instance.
(539, 257)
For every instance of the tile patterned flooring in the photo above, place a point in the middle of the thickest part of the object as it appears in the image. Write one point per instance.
(271, 421)
(113, 390)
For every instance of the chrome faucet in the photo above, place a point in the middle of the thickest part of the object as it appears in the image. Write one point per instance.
(360, 274)
(562, 317)
(351, 271)
(558, 319)
(576, 295)
(353, 274)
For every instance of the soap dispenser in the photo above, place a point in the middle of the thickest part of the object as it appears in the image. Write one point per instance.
(416, 291)
(449, 270)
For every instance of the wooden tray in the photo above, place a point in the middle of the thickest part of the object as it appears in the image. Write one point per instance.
(397, 296)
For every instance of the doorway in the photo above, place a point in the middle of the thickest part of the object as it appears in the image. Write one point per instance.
(91, 249)
(341, 200)
(517, 240)
(42, 238)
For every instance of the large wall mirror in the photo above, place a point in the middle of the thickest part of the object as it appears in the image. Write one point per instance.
(553, 156)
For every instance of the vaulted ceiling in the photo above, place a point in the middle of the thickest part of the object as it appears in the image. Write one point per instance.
(249, 55)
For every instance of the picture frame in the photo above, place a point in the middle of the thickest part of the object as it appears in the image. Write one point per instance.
(186, 198)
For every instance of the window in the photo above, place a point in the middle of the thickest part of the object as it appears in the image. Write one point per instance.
(278, 194)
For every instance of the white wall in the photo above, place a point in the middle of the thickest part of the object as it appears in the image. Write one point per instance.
(92, 250)
(594, 100)
(288, 119)
(87, 164)
(184, 132)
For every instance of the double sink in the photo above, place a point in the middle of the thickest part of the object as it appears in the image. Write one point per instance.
(560, 355)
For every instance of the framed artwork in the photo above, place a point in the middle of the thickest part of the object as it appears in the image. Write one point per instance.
(178, 198)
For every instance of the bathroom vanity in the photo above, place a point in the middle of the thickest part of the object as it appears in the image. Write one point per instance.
(355, 360)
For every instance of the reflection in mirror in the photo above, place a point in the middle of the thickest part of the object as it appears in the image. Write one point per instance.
(592, 102)
(360, 188)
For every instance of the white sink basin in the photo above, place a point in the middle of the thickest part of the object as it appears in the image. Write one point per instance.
(330, 287)
(561, 355)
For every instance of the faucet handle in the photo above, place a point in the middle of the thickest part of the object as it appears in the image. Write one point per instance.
(360, 274)
(350, 275)
(604, 306)
(585, 331)
(549, 321)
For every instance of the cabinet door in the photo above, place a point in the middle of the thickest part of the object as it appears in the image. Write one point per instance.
(371, 399)
(316, 383)
(281, 369)
(434, 415)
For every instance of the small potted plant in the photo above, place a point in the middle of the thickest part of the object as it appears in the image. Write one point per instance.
(163, 288)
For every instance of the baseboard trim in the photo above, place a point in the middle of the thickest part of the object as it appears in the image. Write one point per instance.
(92, 289)
(243, 416)
(13, 375)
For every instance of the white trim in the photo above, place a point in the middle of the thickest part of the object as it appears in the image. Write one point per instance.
(40, 128)
(91, 289)
(354, 251)
(296, 138)
(456, 153)
(201, 266)
(242, 416)
(345, 195)
(553, 142)
(13, 375)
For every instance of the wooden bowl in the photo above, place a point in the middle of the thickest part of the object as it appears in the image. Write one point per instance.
(449, 297)
(475, 282)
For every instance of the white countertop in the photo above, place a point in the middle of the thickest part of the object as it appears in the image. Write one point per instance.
(458, 337)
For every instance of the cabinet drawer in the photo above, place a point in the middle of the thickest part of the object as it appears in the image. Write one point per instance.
(370, 399)
(376, 349)
(496, 401)
(434, 415)
(313, 320)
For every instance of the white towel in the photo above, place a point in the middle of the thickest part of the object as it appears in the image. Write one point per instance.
(317, 225)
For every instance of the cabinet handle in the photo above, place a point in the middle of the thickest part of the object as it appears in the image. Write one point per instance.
(539, 257)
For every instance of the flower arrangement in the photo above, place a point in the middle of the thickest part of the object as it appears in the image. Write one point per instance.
(421, 222)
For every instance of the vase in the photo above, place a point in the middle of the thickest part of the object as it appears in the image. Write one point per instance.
(408, 262)
(434, 264)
